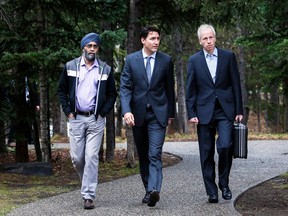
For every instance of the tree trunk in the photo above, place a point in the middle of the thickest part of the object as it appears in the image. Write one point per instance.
(63, 123)
(119, 119)
(135, 12)
(56, 115)
(44, 96)
(22, 126)
(285, 104)
(130, 148)
(44, 120)
(259, 109)
(110, 118)
(36, 140)
(2, 138)
(34, 126)
(266, 112)
(182, 113)
(110, 136)
(273, 116)
(3, 102)
(285, 126)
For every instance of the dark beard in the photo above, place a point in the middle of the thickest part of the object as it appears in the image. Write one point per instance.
(89, 56)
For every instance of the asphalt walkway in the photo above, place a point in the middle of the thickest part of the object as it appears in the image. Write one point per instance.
(183, 191)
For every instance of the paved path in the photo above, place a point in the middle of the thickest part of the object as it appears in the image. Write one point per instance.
(182, 192)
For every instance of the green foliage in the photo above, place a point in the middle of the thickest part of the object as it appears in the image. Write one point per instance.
(113, 38)
(45, 34)
(55, 40)
(48, 34)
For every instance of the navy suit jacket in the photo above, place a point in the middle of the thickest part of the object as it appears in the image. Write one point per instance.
(135, 91)
(201, 92)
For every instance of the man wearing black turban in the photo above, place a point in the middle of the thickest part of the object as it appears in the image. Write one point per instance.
(87, 93)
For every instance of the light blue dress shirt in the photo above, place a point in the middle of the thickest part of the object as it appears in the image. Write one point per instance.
(212, 63)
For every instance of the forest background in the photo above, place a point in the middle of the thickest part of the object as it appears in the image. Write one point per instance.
(37, 37)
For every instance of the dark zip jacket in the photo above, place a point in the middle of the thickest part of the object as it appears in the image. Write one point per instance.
(106, 93)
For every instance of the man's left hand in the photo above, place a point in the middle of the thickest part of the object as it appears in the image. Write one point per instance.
(238, 118)
(170, 120)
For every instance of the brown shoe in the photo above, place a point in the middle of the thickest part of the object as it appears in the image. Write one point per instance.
(88, 204)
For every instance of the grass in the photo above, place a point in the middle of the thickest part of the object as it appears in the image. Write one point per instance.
(251, 136)
(16, 190)
(284, 182)
(267, 136)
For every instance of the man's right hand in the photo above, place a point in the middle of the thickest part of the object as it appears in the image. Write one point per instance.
(193, 120)
(70, 116)
(129, 119)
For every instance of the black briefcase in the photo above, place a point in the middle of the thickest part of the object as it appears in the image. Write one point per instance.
(240, 139)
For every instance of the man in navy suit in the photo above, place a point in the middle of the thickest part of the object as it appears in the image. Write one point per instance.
(148, 101)
(214, 102)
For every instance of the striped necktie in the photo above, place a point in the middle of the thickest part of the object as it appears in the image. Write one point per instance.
(148, 68)
(209, 56)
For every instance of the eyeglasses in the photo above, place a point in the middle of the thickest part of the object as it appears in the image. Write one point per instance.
(95, 46)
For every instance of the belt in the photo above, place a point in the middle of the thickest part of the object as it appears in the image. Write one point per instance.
(87, 114)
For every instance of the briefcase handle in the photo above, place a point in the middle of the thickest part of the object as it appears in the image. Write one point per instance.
(237, 122)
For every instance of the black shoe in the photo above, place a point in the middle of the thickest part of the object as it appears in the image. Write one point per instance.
(154, 198)
(213, 199)
(146, 198)
(88, 204)
(226, 193)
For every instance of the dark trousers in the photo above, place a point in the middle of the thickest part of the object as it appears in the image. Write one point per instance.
(206, 138)
(149, 140)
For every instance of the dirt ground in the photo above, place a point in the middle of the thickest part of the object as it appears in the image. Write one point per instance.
(268, 198)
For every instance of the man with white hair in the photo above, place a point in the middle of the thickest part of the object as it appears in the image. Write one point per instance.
(214, 102)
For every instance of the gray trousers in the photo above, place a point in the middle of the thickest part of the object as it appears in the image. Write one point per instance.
(85, 140)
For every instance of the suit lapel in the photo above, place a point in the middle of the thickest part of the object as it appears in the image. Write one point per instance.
(205, 66)
(219, 64)
(140, 62)
(155, 71)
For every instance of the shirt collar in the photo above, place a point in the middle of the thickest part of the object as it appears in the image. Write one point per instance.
(145, 55)
(95, 64)
(215, 52)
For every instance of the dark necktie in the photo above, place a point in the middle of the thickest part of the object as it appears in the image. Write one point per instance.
(148, 68)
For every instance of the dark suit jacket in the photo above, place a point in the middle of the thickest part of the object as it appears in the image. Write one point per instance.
(201, 92)
(135, 91)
